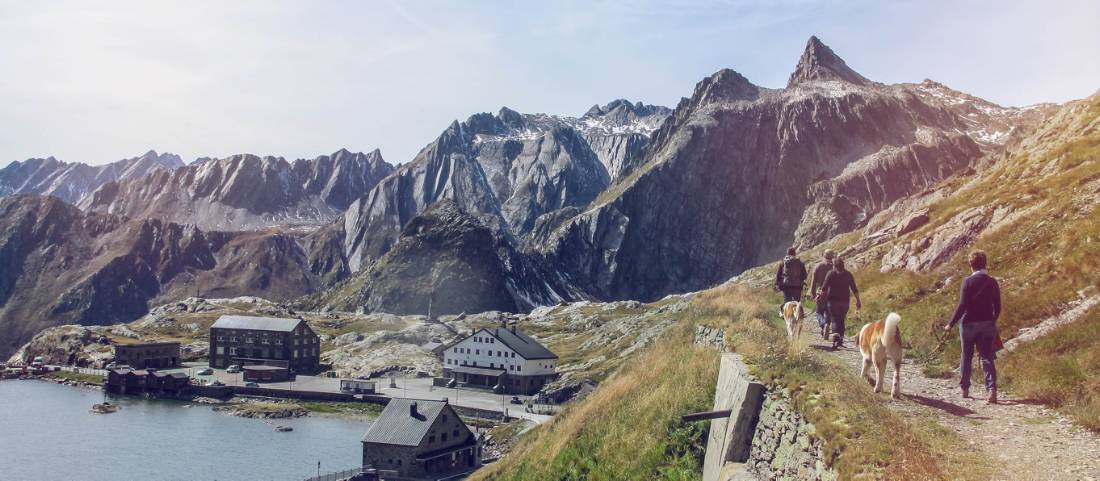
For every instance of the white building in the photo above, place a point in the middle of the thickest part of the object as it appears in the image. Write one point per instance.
(504, 359)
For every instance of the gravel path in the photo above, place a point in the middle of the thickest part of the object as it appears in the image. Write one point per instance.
(1030, 442)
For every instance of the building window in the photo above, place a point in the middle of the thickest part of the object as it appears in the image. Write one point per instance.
(221, 338)
(518, 368)
(431, 439)
(455, 433)
(221, 350)
(295, 354)
(443, 437)
(511, 368)
(278, 342)
(477, 352)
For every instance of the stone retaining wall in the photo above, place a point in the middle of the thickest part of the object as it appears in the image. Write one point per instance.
(763, 438)
(784, 447)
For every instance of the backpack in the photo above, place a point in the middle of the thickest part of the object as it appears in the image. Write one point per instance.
(794, 272)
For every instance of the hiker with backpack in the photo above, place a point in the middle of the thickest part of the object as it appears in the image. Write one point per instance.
(977, 313)
(791, 277)
(836, 292)
(817, 280)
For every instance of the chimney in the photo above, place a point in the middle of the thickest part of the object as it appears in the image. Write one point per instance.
(514, 327)
(412, 410)
(503, 321)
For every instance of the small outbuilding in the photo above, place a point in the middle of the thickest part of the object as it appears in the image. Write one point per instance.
(265, 373)
(357, 386)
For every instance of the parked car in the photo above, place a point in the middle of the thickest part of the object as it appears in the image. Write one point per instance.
(217, 383)
(233, 369)
(204, 371)
(251, 384)
(110, 366)
(515, 400)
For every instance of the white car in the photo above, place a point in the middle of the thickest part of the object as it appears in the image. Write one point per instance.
(204, 371)
(233, 369)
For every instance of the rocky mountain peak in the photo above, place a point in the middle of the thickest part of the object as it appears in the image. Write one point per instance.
(724, 86)
(819, 63)
(510, 118)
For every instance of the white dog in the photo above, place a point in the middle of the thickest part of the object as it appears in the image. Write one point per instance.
(793, 314)
(878, 341)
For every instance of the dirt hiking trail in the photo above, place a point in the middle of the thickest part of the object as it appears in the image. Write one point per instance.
(1026, 441)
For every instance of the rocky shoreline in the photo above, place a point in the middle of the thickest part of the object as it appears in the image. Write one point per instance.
(262, 409)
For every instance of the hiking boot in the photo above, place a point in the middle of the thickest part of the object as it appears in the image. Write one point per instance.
(992, 396)
(966, 392)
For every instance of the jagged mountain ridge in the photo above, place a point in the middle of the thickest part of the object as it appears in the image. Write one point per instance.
(70, 182)
(739, 172)
(59, 265)
(245, 191)
(509, 170)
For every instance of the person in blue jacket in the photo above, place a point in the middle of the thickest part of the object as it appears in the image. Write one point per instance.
(977, 313)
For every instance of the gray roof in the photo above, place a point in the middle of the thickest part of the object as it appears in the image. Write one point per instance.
(525, 346)
(257, 323)
(397, 426)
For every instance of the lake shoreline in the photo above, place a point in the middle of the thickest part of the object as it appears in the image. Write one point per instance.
(44, 418)
(237, 406)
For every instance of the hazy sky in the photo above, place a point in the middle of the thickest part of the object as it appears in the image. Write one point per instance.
(99, 81)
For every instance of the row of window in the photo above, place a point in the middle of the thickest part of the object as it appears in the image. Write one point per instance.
(233, 351)
(477, 352)
(442, 437)
(485, 339)
(512, 367)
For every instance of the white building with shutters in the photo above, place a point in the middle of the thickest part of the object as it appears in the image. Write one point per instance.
(503, 359)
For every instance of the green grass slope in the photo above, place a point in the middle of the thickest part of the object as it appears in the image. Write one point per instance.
(629, 428)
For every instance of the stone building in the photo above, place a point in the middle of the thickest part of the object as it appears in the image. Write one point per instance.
(247, 340)
(503, 359)
(140, 356)
(418, 439)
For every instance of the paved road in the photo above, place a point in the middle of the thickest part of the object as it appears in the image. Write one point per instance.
(422, 388)
(413, 388)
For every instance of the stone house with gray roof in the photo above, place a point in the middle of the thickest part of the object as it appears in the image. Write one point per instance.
(249, 340)
(419, 439)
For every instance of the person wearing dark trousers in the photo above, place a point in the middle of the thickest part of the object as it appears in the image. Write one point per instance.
(816, 281)
(837, 291)
(791, 277)
(977, 313)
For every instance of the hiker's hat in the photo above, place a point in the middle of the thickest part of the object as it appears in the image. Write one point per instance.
(829, 254)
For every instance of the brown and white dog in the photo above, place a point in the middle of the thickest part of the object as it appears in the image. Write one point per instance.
(879, 341)
(793, 314)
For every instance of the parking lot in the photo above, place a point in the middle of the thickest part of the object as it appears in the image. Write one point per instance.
(412, 387)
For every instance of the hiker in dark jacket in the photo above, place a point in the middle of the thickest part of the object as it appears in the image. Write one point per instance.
(816, 281)
(791, 277)
(978, 310)
(837, 290)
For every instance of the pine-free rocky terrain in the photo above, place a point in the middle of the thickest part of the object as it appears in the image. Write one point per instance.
(604, 236)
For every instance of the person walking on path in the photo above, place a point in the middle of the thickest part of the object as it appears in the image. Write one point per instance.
(791, 277)
(977, 313)
(816, 281)
(837, 290)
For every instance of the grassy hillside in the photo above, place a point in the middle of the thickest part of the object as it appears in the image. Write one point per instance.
(1045, 251)
(1046, 256)
(629, 428)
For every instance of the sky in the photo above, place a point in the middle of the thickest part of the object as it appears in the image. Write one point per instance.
(99, 81)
